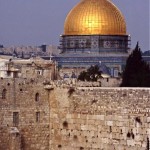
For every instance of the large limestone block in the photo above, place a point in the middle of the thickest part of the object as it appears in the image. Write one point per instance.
(130, 142)
(109, 123)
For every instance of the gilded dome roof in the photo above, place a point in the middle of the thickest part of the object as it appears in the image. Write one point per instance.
(95, 17)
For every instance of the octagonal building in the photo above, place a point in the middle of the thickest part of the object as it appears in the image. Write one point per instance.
(94, 32)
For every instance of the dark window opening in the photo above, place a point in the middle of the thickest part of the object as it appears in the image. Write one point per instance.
(15, 75)
(148, 147)
(4, 94)
(15, 119)
(110, 129)
(8, 73)
(40, 72)
(37, 116)
(37, 97)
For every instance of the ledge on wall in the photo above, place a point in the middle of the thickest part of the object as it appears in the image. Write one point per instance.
(48, 87)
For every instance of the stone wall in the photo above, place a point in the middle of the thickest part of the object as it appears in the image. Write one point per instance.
(19, 108)
(73, 118)
(100, 119)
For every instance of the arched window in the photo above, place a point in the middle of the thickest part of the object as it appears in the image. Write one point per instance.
(37, 97)
(4, 94)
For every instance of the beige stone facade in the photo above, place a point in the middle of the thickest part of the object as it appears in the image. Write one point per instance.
(28, 68)
(19, 108)
(56, 116)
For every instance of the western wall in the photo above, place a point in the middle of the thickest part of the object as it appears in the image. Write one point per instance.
(37, 115)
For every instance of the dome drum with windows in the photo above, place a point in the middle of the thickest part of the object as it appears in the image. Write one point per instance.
(95, 26)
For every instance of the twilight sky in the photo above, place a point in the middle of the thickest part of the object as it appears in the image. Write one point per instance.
(35, 22)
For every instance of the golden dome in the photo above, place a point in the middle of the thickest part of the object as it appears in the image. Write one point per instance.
(95, 17)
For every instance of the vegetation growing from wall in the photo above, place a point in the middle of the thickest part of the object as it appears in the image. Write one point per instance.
(137, 71)
(70, 91)
(92, 74)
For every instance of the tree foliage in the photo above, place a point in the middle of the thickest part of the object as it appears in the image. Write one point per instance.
(92, 74)
(137, 71)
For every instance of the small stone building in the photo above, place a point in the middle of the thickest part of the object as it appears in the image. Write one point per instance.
(27, 68)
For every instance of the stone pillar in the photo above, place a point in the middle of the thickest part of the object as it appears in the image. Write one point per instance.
(14, 139)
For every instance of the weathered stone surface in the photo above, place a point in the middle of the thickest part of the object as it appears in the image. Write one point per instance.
(90, 118)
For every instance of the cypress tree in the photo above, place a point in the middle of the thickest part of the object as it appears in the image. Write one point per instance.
(137, 71)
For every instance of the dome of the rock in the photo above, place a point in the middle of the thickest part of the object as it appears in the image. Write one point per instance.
(95, 17)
